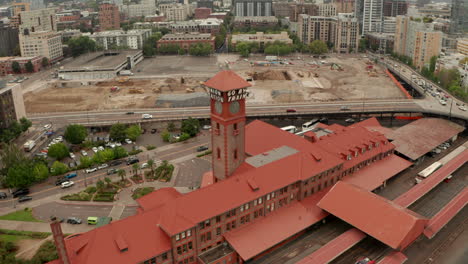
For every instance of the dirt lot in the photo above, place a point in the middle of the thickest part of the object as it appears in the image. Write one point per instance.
(302, 79)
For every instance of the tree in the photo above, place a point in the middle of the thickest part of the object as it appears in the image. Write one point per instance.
(190, 126)
(41, 172)
(118, 132)
(318, 47)
(166, 137)
(120, 152)
(45, 62)
(243, 48)
(75, 134)
(81, 45)
(58, 151)
(16, 67)
(29, 66)
(121, 174)
(108, 181)
(99, 185)
(59, 168)
(362, 45)
(200, 49)
(20, 175)
(85, 162)
(171, 127)
(151, 165)
(135, 167)
(133, 132)
(11, 155)
(432, 64)
(25, 124)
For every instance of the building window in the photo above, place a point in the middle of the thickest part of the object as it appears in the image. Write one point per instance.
(268, 197)
(218, 219)
(190, 245)
(177, 237)
(235, 154)
(217, 126)
(183, 235)
(235, 126)
(218, 231)
(260, 201)
(189, 233)
(179, 250)
(218, 153)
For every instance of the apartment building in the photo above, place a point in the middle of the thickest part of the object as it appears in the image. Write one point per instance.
(251, 8)
(185, 40)
(393, 8)
(459, 17)
(389, 25)
(175, 12)
(261, 38)
(6, 64)
(11, 104)
(326, 10)
(202, 12)
(109, 16)
(132, 39)
(372, 16)
(37, 20)
(8, 39)
(20, 7)
(344, 6)
(462, 46)
(42, 43)
(347, 33)
(417, 40)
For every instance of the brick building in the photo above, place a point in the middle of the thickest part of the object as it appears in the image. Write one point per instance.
(202, 12)
(293, 10)
(8, 39)
(185, 40)
(7, 62)
(266, 184)
(256, 22)
(109, 16)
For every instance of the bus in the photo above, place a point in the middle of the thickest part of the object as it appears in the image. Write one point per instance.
(309, 124)
(427, 171)
(290, 129)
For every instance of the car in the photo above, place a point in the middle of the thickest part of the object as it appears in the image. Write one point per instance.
(3, 195)
(95, 149)
(48, 126)
(60, 181)
(344, 108)
(146, 116)
(102, 166)
(350, 120)
(71, 175)
(290, 110)
(118, 144)
(128, 141)
(24, 199)
(202, 148)
(130, 113)
(72, 155)
(132, 160)
(154, 130)
(462, 107)
(74, 220)
(111, 171)
(206, 127)
(115, 162)
(20, 192)
(176, 136)
(100, 148)
(365, 261)
(144, 166)
(442, 102)
(84, 153)
(67, 184)
(90, 170)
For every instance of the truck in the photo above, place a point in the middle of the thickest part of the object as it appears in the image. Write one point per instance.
(126, 73)
(29, 145)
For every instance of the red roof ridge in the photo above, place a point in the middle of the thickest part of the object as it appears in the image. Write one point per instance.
(226, 81)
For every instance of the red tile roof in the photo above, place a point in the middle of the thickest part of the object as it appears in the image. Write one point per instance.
(395, 257)
(334, 248)
(371, 177)
(207, 179)
(372, 124)
(382, 219)
(251, 240)
(158, 198)
(227, 81)
(447, 213)
(139, 233)
(421, 136)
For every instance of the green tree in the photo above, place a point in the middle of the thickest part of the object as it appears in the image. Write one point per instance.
(133, 132)
(200, 49)
(108, 181)
(121, 174)
(11, 155)
(171, 127)
(75, 134)
(107, 155)
(25, 124)
(20, 175)
(58, 151)
(362, 45)
(59, 168)
(85, 162)
(166, 136)
(190, 126)
(16, 67)
(318, 47)
(81, 45)
(432, 64)
(118, 132)
(135, 167)
(45, 62)
(243, 48)
(29, 66)
(151, 165)
(120, 152)
(184, 136)
(99, 186)
(41, 172)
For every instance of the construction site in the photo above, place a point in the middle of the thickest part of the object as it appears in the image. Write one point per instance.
(289, 80)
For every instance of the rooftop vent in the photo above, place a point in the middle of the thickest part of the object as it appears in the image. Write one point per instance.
(121, 243)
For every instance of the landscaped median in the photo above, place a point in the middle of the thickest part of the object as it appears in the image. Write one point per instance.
(20, 215)
(140, 192)
(103, 192)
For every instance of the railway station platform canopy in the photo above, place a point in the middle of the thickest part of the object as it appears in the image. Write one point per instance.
(374, 215)
(416, 139)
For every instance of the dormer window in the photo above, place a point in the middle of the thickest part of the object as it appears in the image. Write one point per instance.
(348, 157)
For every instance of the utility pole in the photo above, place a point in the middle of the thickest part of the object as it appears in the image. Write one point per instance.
(450, 113)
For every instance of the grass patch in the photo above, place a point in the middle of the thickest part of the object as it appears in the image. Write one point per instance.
(12, 238)
(21, 215)
(140, 192)
(134, 152)
(104, 197)
(150, 147)
(27, 234)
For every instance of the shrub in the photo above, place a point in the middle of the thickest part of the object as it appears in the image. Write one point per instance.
(166, 137)
(208, 152)
(104, 197)
(46, 253)
(91, 189)
(140, 192)
(134, 152)
(84, 196)
(150, 147)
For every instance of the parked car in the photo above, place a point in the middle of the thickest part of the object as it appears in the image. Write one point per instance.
(72, 155)
(350, 120)
(3, 195)
(290, 110)
(24, 199)
(128, 141)
(132, 160)
(462, 107)
(20, 192)
(146, 116)
(95, 149)
(74, 220)
(176, 136)
(154, 130)
(111, 171)
(67, 184)
(130, 113)
(48, 126)
(71, 175)
(60, 181)
(102, 166)
(90, 170)
(202, 148)
(84, 153)
(118, 144)
(115, 162)
(206, 127)
(100, 148)
(144, 166)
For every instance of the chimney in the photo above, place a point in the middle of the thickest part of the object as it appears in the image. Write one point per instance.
(59, 241)
(311, 136)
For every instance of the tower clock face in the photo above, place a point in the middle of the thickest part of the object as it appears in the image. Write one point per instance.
(234, 107)
(218, 107)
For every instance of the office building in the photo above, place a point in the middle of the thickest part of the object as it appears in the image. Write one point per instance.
(293, 10)
(42, 43)
(202, 12)
(20, 7)
(113, 39)
(37, 20)
(383, 41)
(36, 4)
(459, 17)
(251, 8)
(205, 3)
(175, 12)
(11, 104)
(416, 40)
(393, 8)
(462, 46)
(326, 10)
(344, 6)
(347, 33)
(109, 16)
(372, 16)
(389, 25)
(8, 39)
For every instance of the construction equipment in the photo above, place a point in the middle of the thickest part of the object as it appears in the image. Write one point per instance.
(122, 79)
(115, 89)
(189, 90)
(136, 91)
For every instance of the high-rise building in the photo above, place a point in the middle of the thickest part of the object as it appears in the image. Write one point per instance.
(8, 39)
(205, 3)
(459, 16)
(326, 10)
(20, 7)
(344, 6)
(42, 43)
(253, 8)
(36, 4)
(11, 104)
(37, 20)
(293, 10)
(416, 40)
(372, 16)
(393, 8)
(347, 33)
(109, 16)
(462, 46)
(132, 39)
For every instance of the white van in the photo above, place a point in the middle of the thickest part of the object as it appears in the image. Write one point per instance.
(146, 116)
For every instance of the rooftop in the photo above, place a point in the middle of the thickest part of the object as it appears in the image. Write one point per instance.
(102, 60)
(227, 81)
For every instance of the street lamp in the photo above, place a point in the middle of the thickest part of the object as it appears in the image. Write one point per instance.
(450, 113)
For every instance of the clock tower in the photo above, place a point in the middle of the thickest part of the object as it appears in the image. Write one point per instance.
(227, 92)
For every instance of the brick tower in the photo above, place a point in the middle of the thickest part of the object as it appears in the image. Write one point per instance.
(228, 92)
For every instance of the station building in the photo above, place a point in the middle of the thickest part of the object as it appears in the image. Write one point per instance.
(262, 177)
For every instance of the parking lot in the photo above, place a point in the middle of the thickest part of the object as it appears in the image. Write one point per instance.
(186, 65)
